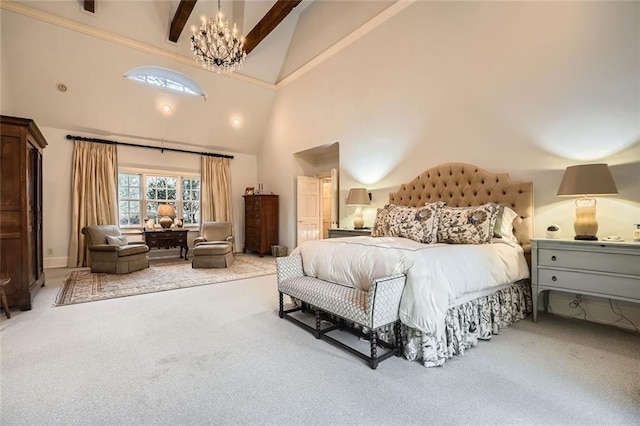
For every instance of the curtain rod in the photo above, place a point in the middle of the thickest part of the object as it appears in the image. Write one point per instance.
(108, 142)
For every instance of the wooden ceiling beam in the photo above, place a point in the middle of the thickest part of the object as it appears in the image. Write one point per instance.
(274, 16)
(90, 6)
(180, 18)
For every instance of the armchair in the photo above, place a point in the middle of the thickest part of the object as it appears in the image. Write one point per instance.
(214, 247)
(215, 233)
(109, 251)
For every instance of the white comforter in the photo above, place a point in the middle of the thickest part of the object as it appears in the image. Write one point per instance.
(439, 276)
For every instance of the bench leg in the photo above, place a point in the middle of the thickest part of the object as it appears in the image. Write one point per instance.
(374, 349)
(281, 312)
(318, 332)
(398, 332)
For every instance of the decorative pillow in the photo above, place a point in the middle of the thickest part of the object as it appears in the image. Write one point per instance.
(498, 226)
(381, 224)
(504, 227)
(467, 225)
(117, 241)
(416, 223)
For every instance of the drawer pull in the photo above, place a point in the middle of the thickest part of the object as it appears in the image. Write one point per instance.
(553, 278)
(553, 258)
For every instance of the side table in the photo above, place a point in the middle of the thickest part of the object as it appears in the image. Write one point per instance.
(596, 268)
(349, 232)
(168, 238)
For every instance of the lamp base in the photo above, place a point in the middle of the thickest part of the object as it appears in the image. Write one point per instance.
(165, 222)
(358, 221)
(586, 237)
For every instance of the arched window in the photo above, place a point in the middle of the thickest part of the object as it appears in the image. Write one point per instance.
(167, 79)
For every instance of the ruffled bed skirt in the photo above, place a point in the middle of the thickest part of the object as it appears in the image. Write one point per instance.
(465, 324)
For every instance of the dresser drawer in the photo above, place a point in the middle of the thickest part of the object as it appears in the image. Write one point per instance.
(252, 243)
(590, 283)
(590, 261)
(252, 231)
(252, 222)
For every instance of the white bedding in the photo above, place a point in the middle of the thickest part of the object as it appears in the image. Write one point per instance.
(439, 276)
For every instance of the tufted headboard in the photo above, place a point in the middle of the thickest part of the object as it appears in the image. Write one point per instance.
(461, 185)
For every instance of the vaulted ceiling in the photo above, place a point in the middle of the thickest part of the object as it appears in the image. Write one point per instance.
(281, 36)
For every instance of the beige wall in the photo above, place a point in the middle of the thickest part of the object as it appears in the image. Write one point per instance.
(527, 88)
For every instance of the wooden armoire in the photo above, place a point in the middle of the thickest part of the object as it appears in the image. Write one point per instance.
(21, 254)
(260, 223)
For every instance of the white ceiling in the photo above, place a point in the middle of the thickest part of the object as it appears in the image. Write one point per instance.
(311, 28)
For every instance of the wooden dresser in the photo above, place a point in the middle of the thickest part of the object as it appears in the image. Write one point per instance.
(21, 251)
(260, 223)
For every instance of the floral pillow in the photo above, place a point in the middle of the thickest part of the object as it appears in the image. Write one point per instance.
(467, 225)
(416, 223)
(381, 224)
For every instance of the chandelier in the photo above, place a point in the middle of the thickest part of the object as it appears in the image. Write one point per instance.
(216, 47)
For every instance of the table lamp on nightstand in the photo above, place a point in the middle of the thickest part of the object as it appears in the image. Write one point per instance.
(585, 180)
(358, 197)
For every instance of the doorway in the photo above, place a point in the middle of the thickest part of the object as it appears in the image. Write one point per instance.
(316, 177)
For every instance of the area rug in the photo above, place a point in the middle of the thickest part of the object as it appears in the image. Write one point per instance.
(84, 286)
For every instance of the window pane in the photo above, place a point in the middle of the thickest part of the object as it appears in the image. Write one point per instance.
(172, 182)
(152, 194)
(134, 180)
(134, 193)
(134, 207)
(162, 194)
(152, 208)
(122, 179)
(172, 194)
(135, 219)
(122, 192)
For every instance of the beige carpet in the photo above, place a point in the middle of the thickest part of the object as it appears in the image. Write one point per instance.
(83, 286)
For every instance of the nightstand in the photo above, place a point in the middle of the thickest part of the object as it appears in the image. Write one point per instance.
(349, 232)
(597, 268)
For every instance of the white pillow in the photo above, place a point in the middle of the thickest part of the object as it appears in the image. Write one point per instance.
(506, 227)
(117, 241)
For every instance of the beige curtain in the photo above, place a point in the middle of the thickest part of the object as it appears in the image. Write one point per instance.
(216, 190)
(94, 194)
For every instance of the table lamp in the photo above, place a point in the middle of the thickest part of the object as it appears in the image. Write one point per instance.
(585, 180)
(164, 213)
(358, 197)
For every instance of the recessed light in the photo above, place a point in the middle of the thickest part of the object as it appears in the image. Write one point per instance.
(62, 87)
(235, 123)
(166, 108)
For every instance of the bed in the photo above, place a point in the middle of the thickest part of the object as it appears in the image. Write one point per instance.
(455, 294)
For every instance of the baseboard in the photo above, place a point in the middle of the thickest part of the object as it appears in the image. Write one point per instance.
(55, 262)
(597, 309)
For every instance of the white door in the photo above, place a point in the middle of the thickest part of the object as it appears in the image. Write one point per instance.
(308, 208)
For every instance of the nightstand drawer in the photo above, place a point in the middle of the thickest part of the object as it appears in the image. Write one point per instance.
(590, 283)
(591, 261)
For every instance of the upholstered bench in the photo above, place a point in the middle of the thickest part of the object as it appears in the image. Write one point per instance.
(370, 310)
(212, 255)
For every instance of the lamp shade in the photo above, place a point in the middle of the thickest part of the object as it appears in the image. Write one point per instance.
(587, 179)
(166, 210)
(358, 197)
